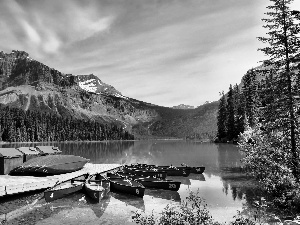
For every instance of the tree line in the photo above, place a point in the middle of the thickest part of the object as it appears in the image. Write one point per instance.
(17, 125)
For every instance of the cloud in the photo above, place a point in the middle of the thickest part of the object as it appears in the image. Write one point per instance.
(48, 26)
(160, 51)
(31, 32)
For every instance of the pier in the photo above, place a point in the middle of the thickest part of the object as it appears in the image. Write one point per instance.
(10, 185)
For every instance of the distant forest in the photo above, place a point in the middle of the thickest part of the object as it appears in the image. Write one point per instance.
(17, 125)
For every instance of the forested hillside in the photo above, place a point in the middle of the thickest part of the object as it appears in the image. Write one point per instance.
(16, 125)
(259, 96)
(36, 89)
(199, 123)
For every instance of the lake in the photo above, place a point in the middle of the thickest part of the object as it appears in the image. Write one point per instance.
(223, 185)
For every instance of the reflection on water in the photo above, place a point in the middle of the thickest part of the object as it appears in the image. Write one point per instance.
(164, 194)
(197, 177)
(131, 200)
(223, 185)
(185, 180)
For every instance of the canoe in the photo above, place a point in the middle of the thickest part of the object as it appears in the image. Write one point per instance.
(150, 182)
(146, 172)
(95, 189)
(127, 186)
(50, 165)
(174, 171)
(118, 175)
(197, 170)
(62, 190)
(157, 183)
(142, 166)
(194, 169)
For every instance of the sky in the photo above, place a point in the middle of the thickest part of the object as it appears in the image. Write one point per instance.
(164, 52)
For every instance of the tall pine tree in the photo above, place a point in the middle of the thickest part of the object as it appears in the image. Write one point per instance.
(222, 118)
(283, 44)
(230, 124)
(272, 155)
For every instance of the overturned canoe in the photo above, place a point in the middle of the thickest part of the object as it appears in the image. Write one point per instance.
(50, 165)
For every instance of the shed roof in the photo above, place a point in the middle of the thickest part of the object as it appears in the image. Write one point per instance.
(10, 153)
(29, 150)
(48, 149)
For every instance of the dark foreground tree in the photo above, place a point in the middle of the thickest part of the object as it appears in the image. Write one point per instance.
(272, 146)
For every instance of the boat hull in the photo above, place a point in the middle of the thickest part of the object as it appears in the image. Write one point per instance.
(198, 170)
(159, 183)
(175, 172)
(146, 173)
(50, 165)
(127, 186)
(62, 190)
(170, 171)
(94, 191)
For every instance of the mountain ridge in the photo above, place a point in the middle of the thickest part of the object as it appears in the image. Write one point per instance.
(30, 85)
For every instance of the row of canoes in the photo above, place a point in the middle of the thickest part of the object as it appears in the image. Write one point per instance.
(130, 180)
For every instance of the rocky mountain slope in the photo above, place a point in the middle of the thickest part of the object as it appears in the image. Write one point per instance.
(183, 106)
(30, 85)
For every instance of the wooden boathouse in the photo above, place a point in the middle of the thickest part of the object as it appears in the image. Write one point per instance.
(10, 185)
(48, 150)
(10, 158)
(29, 153)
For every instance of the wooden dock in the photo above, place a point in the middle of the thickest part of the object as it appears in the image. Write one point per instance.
(18, 184)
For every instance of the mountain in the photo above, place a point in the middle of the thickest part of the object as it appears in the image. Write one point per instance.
(182, 106)
(30, 85)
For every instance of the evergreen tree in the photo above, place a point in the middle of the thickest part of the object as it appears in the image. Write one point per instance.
(238, 111)
(250, 96)
(271, 147)
(222, 118)
(283, 44)
(230, 124)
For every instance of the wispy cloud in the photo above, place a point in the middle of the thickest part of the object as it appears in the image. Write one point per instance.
(164, 52)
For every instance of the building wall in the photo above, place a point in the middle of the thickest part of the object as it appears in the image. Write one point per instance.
(8, 164)
(27, 157)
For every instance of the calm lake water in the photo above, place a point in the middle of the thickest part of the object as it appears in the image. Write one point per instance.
(223, 185)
